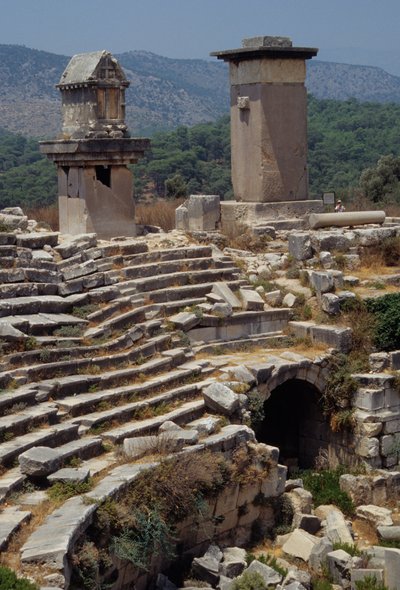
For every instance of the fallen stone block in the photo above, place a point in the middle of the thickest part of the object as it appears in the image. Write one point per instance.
(339, 565)
(220, 398)
(299, 244)
(252, 301)
(184, 320)
(392, 568)
(318, 554)
(389, 533)
(300, 544)
(207, 567)
(269, 575)
(337, 530)
(39, 461)
(233, 562)
(70, 474)
(376, 515)
(307, 522)
(223, 290)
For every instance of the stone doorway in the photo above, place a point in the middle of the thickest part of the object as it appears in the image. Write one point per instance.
(295, 424)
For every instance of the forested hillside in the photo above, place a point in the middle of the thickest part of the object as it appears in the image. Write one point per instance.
(344, 139)
(164, 92)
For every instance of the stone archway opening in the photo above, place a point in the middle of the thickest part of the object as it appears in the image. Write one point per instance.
(294, 423)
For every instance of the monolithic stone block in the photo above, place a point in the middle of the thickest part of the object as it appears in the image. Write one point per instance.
(337, 530)
(392, 568)
(233, 561)
(220, 398)
(321, 282)
(269, 575)
(318, 553)
(300, 544)
(252, 301)
(300, 245)
(203, 212)
(39, 461)
(377, 515)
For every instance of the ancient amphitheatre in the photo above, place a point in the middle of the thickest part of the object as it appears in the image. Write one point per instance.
(159, 390)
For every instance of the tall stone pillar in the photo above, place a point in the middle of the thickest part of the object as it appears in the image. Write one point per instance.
(95, 186)
(268, 119)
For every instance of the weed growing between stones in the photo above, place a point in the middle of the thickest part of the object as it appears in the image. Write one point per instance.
(370, 583)
(60, 491)
(84, 310)
(269, 560)
(321, 584)
(350, 549)
(339, 390)
(151, 536)
(249, 581)
(9, 580)
(325, 488)
(69, 331)
(386, 309)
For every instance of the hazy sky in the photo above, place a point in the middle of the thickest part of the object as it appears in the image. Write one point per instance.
(355, 31)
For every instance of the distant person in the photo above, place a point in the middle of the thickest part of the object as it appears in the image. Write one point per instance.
(339, 207)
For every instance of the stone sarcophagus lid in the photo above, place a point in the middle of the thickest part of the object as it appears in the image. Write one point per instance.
(93, 97)
(95, 185)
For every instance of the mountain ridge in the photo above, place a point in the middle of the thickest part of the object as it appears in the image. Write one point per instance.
(164, 92)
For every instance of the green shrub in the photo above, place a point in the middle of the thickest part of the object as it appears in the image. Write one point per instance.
(256, 408)
(386, 310)
(151, 536)
(61, 491)
(249, 581)
(350, 549)
(390, 248)
(321, 584)
(370, 583)
(9, 581)
(269, 560)
(325, 488)
(339, 390)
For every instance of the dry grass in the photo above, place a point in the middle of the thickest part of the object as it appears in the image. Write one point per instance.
(160, 212)
(46, 215)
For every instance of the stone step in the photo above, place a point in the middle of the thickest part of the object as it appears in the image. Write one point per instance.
(239, 325)
(33, 305)
(51, 541)
(273, 340)
(171, 254)
(165, 267)
(31, 289)
(117, 306)
(57, 353)
(51, 437)
(44, 461)
(186, 413)
(17, 423)
(128, 412)
(179, 279)
(96, 363)
(117, 480)
(76, 405)
(186, 292)
(125, 320)
(42, 323)
(10, 482)
(11, 519)
(12, 399)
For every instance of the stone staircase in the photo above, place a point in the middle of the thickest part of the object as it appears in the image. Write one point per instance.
(92, 354)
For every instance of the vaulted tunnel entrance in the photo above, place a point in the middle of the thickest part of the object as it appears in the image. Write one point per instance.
(295, 424)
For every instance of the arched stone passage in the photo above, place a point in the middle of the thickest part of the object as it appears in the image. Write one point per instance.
(294, 423)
